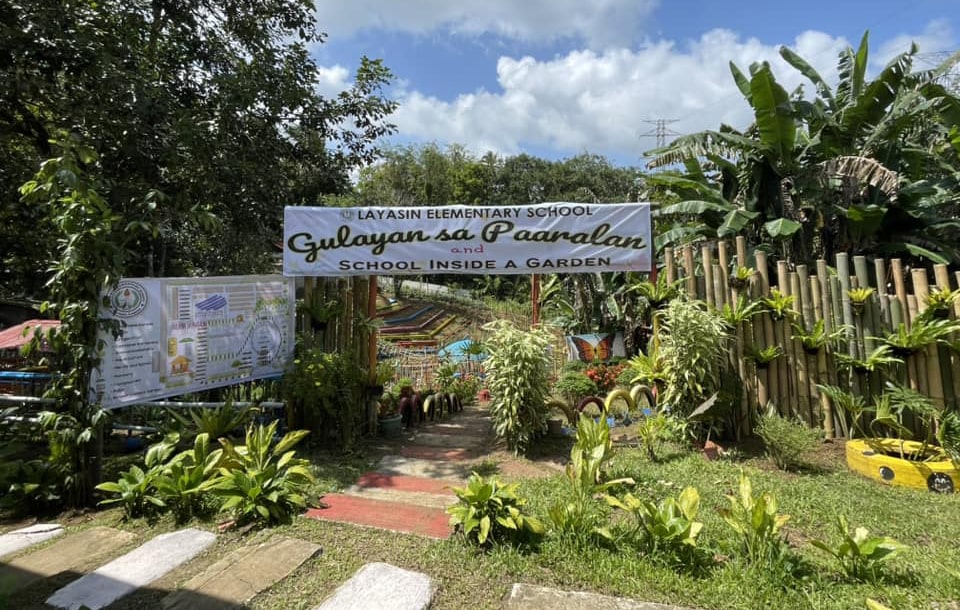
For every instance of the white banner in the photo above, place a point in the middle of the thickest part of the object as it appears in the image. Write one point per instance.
(542, 238)
(188, 334)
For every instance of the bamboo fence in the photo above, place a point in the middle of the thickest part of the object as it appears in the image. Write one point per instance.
(819, 294)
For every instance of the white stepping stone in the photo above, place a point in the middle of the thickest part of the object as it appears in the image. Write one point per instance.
(136, 569)
(381, 586)
(17, 540)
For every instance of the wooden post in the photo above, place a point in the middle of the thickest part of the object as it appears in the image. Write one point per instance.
(724, 257)
(706, 253)
(670, 265)
(689, 271)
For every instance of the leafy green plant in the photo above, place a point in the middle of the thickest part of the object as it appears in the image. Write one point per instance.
(186, 479)
(860, 554)
(263, 481)
(755, 520)
(948, 435)
(878, 359)
(905, 342)
(575, 386)
(653, 430)
(579, 515)
(216, 422)
(668, 527)
(762, 357)
(940, 301)
(740, 278)
(692, 349)
(490, 511)
(817, 337)
(788, 441)
(135, 489)
(648, 369)
(853, 405)
(659, 293)
(778, 305)
(518, 366)
(859, 298)
(741, 311)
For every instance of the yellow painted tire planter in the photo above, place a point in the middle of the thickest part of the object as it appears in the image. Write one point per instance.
(877, 458)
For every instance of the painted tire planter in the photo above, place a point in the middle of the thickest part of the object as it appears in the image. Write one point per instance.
(390, 427)
(877, 459)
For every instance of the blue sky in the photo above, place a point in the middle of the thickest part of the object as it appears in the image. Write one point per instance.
(555, 78)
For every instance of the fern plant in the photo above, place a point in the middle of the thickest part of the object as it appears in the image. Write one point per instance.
(905, 342)
(859, 298)
(778, 305)
(860, 554)
(817, 337)
(489, 511)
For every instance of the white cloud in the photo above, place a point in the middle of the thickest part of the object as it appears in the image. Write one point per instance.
(598, 101)
(332, 80)
(601, 23)
(936, 37)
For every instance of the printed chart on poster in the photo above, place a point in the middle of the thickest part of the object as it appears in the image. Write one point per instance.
(187, 334)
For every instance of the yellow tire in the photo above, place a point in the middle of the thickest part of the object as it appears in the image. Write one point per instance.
(623, 395)
(641, 391)
(879, 459)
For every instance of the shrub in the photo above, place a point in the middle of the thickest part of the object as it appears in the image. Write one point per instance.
(262, 481)
(755, 520)
(135, 490)
(518, 377)
(788, 441)
(187, 477)
(490, 511)
(574, 386)
(692, 350)
(860, 554)
(580, 516)
(668, 528)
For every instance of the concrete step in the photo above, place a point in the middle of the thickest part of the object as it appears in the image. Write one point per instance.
(75, 553)
(471, 428)
(241, 575)
(381, 586)
(457, 441)
(534, 597)
(421, 491)
(442, 454)
(136, 569)
(425, 521)
(17, 540)
(416, 467)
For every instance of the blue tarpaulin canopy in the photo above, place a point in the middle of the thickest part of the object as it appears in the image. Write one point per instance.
(458, 351)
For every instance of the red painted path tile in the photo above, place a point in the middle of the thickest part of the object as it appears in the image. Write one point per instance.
(395, 482)
(393, 516)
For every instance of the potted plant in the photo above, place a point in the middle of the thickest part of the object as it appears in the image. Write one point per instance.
(886, 450)
(389, 419)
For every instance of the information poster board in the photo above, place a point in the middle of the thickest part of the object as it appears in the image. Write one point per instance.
(183, 335)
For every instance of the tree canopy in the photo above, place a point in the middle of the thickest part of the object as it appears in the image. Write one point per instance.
(205, 118)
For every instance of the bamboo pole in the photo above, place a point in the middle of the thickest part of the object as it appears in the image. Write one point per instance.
(843, 274)
(706, 254)
(916, 379)
(723, 256)
(826, 409)
(741, 245)
(921, 289)
(802, 374)
(880, 273)
(757, 331)
(767, 335)
(900, 287)
(719, 287)
(670, 265)
(869, 313)
(944, 356)
(689, 271)
(788, 371)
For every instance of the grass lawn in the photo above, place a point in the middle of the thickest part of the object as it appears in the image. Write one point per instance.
(469, 578)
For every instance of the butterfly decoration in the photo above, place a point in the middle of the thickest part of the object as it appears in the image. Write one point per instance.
(602, 351)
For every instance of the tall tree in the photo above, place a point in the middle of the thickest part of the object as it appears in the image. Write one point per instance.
(205, 116)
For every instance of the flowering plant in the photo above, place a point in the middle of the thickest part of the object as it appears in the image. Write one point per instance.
(604, 375)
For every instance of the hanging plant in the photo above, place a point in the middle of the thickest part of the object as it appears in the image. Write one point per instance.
(859, 298)
(778, 305)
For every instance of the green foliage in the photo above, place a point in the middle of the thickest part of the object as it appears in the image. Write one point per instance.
(762, 357)
(860, 554)
(923, 331)
(518, 368)
(853, 405)
(579, 515)
(668, 527)
(216, 422)
(91, 246)
(186, 478)
(655, 429)
(660, 293)
(692, 349)
(948, 435)
(778, 305)
(941, 301)
(756, 522)
(262, 481)
(788, 442)
(489, 511)
(575, 386)
(742, 311)
(136, 489)
(817, 337)
(880, 358)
